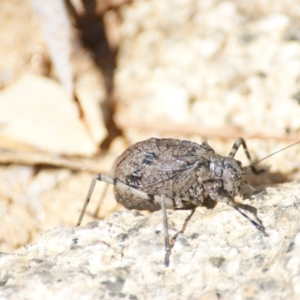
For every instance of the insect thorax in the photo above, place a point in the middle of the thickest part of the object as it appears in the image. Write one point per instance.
(229, 172)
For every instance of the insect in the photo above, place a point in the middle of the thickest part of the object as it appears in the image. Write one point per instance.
(177, 174)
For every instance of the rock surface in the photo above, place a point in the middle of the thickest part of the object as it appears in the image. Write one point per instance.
(211, 63)
(206, 63)
(44, 119)
(220, 255)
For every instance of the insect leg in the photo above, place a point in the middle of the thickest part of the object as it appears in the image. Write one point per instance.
(184, 224)
(143, 195)
(166, 234)
(87, 200)
(109, 180)
(238, 206)
(240, 141)
(115, 181)
(259, 225)
(100, 201)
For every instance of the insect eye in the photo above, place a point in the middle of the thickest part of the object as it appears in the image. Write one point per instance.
(234, 176)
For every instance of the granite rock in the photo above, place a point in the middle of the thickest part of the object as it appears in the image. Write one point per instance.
(210, 63)
(220, 255)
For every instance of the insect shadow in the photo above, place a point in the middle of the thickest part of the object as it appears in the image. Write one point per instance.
(177, 174)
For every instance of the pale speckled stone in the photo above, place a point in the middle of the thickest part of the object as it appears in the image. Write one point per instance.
(31, 121)
(221, 255)
(212, 64)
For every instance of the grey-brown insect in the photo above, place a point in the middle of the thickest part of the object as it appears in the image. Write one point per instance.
(176, 174)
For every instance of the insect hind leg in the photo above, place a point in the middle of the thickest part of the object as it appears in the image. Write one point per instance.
(141, 194)
(87, 199)
(109, 180)
(240, 141)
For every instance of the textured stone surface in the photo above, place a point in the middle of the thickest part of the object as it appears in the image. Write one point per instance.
(44, 119)
(220, 254)
(210, 64)
(186, 66)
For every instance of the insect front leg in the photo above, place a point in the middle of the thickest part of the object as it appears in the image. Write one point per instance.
(238, 206)
(240, 141)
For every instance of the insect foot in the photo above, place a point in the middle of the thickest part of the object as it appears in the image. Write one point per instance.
(177, 174)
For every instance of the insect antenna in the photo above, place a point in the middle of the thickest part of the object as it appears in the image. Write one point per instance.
(258, 161)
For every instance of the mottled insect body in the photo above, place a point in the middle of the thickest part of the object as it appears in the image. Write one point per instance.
(185, 172)
(176, 174)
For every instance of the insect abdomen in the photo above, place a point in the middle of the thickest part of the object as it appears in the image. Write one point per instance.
(130, 201)
(160, 166)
